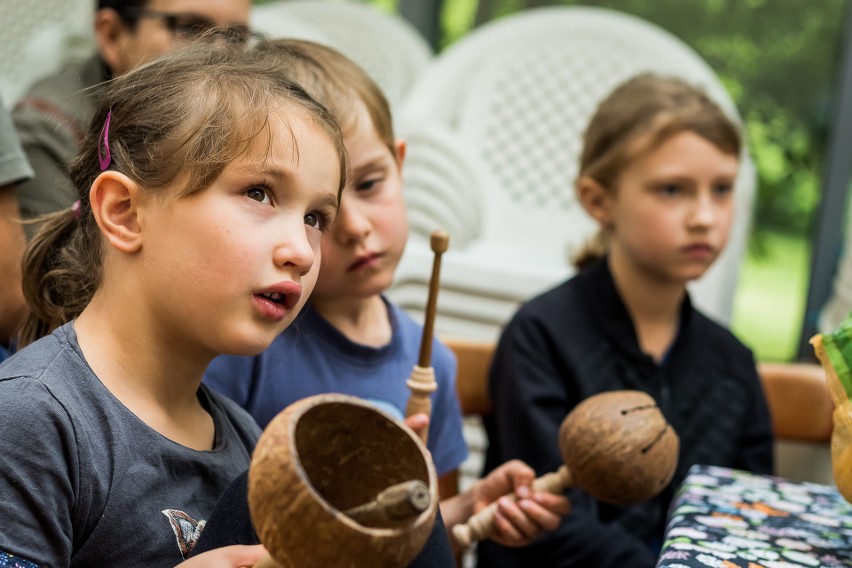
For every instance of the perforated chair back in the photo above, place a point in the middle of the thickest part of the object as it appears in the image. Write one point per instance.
(38, 38)
(389, 48)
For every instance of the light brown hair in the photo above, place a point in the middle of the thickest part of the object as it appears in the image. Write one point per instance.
(636, 118)
(334, 80)
(184, 116)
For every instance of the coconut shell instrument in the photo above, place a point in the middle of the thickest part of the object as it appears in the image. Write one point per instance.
(335, 482)
(834, 351)
(422, 379)
(617, 446)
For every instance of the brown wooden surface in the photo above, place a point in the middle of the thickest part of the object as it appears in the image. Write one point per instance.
(798, 400)
(796, 393)
(474, 361)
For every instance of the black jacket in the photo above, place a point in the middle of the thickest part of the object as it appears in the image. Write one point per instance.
(578, 340)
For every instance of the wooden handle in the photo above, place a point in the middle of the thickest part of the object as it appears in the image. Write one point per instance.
(439, 242)
(394, 505)
(422, 380)
(422, 384)
(481, 525)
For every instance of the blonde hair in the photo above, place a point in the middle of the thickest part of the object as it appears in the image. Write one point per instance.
(636, 118)
(334, 80)
(184, 116)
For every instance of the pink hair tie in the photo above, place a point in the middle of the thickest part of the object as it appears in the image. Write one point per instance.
(76, 209)
(104, 158)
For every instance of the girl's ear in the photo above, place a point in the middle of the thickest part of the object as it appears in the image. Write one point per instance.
(596, 200)
(115, 201)
(400, 146)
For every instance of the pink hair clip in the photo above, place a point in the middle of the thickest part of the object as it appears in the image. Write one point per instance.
(104, 158)
(76, 209)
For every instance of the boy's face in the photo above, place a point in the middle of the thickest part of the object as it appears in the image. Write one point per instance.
(366, 241)
(672, 208)
(164, 25)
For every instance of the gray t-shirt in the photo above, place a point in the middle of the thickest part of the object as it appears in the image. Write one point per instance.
(13, 163)
(85, 483)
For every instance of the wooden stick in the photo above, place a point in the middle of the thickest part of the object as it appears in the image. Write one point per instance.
(422, 380)
(481, 525)
(393, 506)
(397, 503)
(439, 242)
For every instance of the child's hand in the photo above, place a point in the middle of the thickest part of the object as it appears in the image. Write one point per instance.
(419, 423)
(227, 557)
(517, 522)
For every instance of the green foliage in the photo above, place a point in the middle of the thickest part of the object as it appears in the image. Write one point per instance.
(770, 297)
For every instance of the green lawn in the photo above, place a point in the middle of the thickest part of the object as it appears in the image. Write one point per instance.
(770, 298)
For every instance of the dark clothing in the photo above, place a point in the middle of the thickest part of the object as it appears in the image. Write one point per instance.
(85, 483)
(230, 523)
(578, 340)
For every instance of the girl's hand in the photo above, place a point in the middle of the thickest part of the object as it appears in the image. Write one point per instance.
(227, 557)
(517, 522)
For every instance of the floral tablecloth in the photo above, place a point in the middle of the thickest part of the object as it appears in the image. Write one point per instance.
(726, 518)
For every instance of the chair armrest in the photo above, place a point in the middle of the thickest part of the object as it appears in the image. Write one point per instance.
(474, 361)
(798, 400)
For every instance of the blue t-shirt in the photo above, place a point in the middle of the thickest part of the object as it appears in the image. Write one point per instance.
(312, 357)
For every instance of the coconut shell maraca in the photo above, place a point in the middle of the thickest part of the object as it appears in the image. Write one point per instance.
(617, 446)
(330, 454)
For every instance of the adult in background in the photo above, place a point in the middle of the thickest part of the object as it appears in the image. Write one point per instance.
(13, 168)
(54, 114)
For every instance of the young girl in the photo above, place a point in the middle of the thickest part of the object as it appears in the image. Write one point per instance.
(204, 185)
(349, 338)
(657, 174)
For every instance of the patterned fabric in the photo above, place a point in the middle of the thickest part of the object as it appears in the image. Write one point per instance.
(726, 518)
(10, 561)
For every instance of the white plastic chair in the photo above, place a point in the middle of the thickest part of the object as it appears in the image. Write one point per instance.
(38, 38)
(515, 96)
(271, 21)
(389, 48)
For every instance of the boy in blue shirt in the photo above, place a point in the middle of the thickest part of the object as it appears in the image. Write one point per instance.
(349, 338)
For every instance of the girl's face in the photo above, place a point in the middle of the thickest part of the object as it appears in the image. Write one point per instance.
(367, 239)
(671, 209)
(230, 266)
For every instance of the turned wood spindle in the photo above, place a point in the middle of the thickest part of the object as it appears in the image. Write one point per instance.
(422, 380)
(398, 502)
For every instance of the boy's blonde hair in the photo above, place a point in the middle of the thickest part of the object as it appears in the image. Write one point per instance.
(335, 81)
(636, 118)
(180, 118)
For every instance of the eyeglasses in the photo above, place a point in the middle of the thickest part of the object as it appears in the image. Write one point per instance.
(191, 27)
